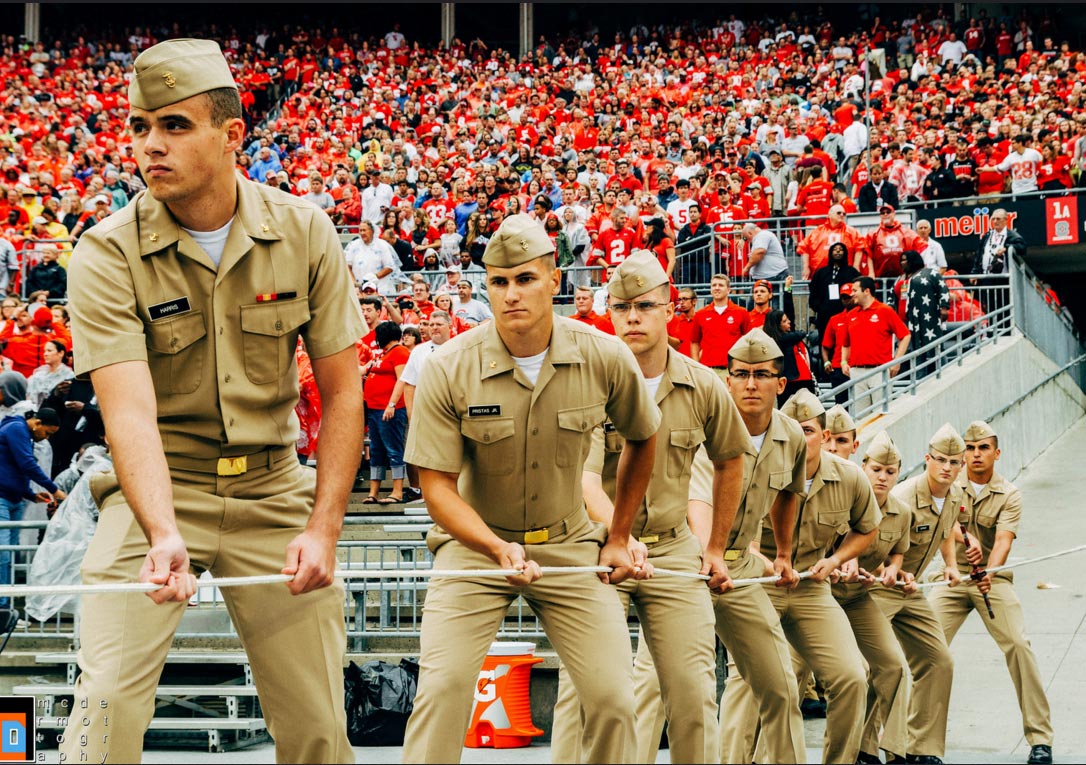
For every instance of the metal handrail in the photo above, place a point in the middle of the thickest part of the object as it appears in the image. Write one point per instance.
(997, 323)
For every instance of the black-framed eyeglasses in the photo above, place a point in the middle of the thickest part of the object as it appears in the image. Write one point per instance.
(642, 306)
(761, 375)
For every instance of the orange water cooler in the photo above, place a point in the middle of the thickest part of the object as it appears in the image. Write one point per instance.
(501, 716)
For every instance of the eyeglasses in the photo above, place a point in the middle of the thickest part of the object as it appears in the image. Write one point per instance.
(761, 375)
(944, 461)
(643, 306)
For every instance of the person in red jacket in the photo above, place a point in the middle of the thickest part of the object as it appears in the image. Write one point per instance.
(886, 243)
(27, 351)
(718, 326)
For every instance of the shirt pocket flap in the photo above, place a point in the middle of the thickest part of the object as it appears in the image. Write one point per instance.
(891, 535)
(988, 518)
(582, 418)
(836, 518)
(780, 479)
(174, 335)
(275, 319)
(487, 431)
(687, 438)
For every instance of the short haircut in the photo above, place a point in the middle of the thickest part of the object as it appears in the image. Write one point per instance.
(439, 314)
(387, 332)
(725, 277)
(778, 364)
(224, 104)
(866, 283)
(371, 301)
(47, 416)
(465, 281)
(582, 288)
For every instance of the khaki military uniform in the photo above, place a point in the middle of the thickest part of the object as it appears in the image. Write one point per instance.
(840, 498)
(888, 673)
(518, 449)
(222, 364)
(746, 621)
(998, 507)
(676, 614)
(917, 627)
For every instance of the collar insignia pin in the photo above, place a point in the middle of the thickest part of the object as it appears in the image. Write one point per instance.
(153, 237)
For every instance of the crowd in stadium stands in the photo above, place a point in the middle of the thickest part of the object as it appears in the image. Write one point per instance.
(650, 139)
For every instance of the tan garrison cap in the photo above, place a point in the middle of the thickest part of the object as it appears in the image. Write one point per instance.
(175, 70)
(978, 430)
(755, 347)
(947, 440)
(517, 240)
(802, 406)
(636, 275)
(883, 450)
(838, 420)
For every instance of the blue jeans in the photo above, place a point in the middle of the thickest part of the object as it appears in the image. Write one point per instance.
(9, 511)
(386, 443)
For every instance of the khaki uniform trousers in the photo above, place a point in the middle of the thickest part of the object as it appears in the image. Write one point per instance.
(750, 628)
(818, 629)
(676, 616)
(583, 619)
(887, 668)
(232, 526)
(932, 670)
(952, 606)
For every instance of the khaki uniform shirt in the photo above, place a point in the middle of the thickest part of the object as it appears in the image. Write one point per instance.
(518, 448)
(221, 357)
(893, 536)
(695, 409)
(929, 527)
(779, 466)
(998, 507)
(840, 498)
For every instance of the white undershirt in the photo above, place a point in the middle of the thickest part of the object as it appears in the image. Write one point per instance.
(809, 481)
(758, 441)
(720, 309)
(978, 488)
(212, 242)
(531, 365)
(653, 383)
(939, 502)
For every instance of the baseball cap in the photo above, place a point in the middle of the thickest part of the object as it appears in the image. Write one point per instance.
(886, 208)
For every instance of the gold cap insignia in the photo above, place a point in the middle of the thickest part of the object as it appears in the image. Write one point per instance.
(168, 78)
(640, 282)
(524, 244)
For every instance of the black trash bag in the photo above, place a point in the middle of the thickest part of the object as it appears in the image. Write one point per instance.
(378, 698)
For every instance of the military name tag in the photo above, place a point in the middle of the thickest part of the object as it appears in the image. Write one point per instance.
(489, 410)
(925, 527)
(169, 308)
(608, 427)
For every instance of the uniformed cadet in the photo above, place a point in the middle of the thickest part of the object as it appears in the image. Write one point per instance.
(932, 499)
(839, 438)
(186, 308)
(991, 509)
(746, 622)
(510, 409)
(676, 614)
(878, 565)
(839, 502)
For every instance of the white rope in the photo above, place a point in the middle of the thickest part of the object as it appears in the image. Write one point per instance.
(24, 590)
(1004, 567)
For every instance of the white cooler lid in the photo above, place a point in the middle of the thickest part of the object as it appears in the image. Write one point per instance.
(499, 648)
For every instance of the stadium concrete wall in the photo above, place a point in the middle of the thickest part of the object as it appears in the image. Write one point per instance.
(984, 384)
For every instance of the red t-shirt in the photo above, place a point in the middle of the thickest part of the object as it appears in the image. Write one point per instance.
(682, 329)
(716, 333)
(757, 318)
(836, 335)
(590, 319)
(616, 245)
(870, 333)
(605, 325)
(382, 378)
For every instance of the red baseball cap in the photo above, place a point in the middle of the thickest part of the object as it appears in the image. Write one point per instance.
(846, 288)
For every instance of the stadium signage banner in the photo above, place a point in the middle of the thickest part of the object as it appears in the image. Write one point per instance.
(1050, 221)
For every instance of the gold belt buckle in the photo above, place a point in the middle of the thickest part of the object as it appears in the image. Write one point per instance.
(732, 554)
(233, 465)
(536, 536)
(649, 539)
